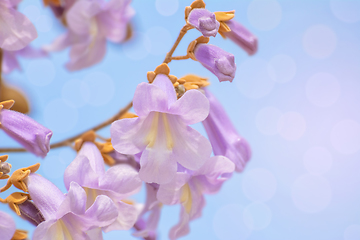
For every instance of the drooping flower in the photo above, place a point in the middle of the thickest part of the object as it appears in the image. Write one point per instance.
(188, 189)
(67, 216)
(118, 183)
(90, 24)
(7, 226)
(31, 135)
(204, 21)
(223, 136)
(161, 131)
(16, 30)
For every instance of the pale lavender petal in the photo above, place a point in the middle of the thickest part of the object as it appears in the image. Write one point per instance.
(45, 195)
(122, 179)
(192, 107)
(217, 61)
(30, 134)
(60, 43)
(242, 37)
(126, 219)
(204, 21)
(7, 226)
(45, 231)
(95, 234)
(182, 227)
(164, 83)
(91, 151)
(75, 201)
(148, 230)
(10, 62)
(170, 193)
(223, 136)
(16, 30)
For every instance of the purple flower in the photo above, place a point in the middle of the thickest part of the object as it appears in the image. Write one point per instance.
(16, 29)
(33, 136)
(204, 21)
(90, 24)
(188, 189)
(67, 217)
(10, 61)
(7, 226)
(242, 37)
(161, 131)
(223, 136)
(216, 60)
(118, 183)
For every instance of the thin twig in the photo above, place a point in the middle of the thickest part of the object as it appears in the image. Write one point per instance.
(180, 57)
(183, 31)
(69, 141)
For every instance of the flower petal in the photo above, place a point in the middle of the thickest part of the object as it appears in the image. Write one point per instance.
(204, 21)
(126, 219)
(44, 230)
(7, 226)
(163, 81)
(75, 201)
(170, 193)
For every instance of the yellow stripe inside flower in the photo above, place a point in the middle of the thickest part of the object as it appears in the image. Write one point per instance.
(157, 124)
(62, 232)
(186, 198)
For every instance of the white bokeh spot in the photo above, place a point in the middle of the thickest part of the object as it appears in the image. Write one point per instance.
(311, 193)
(53, 167)
(282, 68)
(346, 11)
(167, 7)
(291, 126)
(352, 232)
(74, 91)
(40, 72)
(252, 78)
(264, 15)
(138, 48)
(259, 184)
(44, 23)
(345, 136)
(319, 41)
(322, 89)
(161, 40)
(97, 89)
(257, 216)
(32, 12)
(267, 119)
(317, 160)
(228, 223)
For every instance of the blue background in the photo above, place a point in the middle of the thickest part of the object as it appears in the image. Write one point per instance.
(296, 101)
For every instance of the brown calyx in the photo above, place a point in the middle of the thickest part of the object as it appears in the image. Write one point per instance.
(15, 199)
(161, 69)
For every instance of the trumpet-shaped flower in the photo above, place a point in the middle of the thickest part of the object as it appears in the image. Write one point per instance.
(223, 136)
(32, 135)
(7, 226)
(189, 187)
(16, 30)
(161, 130)
(67, 217)
(216, 60)
(90, 24)
(204, 21)
(118, 183)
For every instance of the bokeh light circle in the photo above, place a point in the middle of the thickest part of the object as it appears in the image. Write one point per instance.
(259, 184)
(167, 7)
(264, 14)
(322, 89)
(317, 160)
(228, 223)
(252, 78)
(352, 232)
(319, 41)
(60, 116)
(282, 68)
(257, 216)
(161, 40)
(345, 136)
(291, 126)
(40, 72)
(53, 167)
(138, 48)
(267, 119)
(44, 23)
(74, 90)
(32, 12)
(97, 89)
(311, 193)
(346, 10)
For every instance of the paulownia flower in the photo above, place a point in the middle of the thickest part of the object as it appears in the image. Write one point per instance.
(161, 131)
(118, 183)
(68, 216)
(90, 24)
(223, 136)
(7, 226)
(204, 21)
(33, 136)
(189, 187)
(16, 30)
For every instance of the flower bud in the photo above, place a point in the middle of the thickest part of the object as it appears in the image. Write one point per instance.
(5, 167)
(216, 60)
(204, 21)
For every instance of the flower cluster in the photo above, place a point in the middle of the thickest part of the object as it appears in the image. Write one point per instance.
(155, 146)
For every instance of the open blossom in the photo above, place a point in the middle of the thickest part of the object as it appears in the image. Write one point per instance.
(90, 24)
(33, 136)
(7, 226)
(161, 131)
(223, 136)
(67, 216)
(189, 187)
(216, 60)
(16, 30)
(204, 21)
(118, 183)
